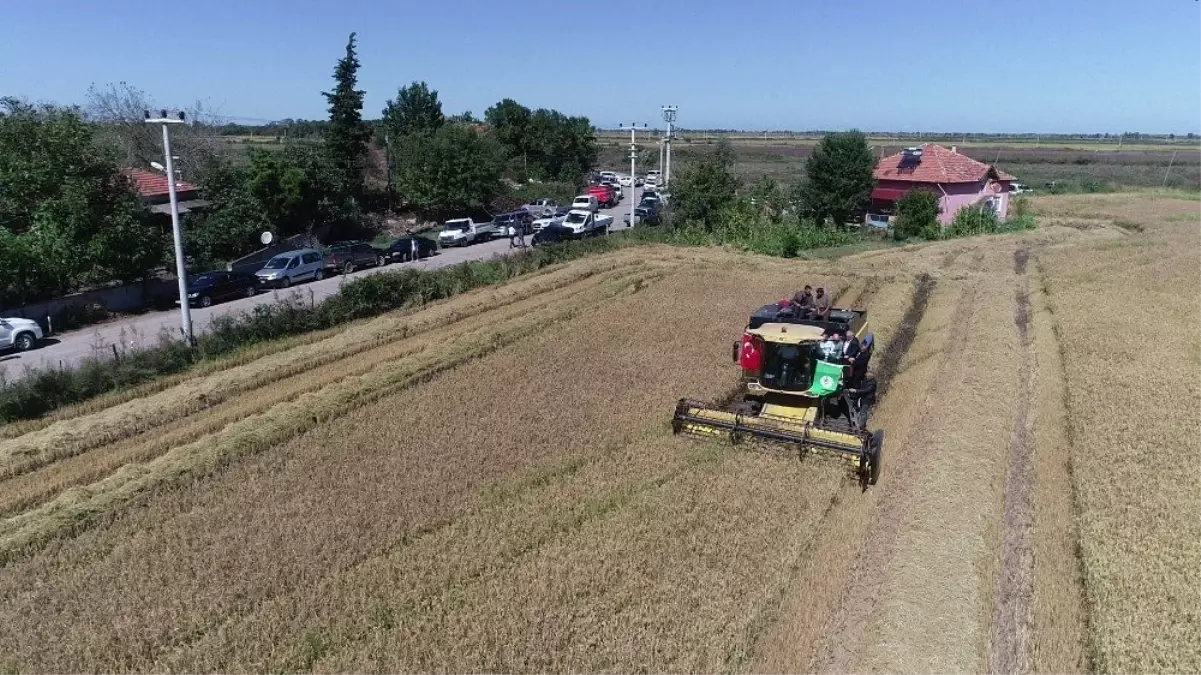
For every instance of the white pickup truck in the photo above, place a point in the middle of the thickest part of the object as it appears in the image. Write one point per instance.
(19, 334)
(587, 224)
(465, 231)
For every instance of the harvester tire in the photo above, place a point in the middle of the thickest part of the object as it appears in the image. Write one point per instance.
(876, 451)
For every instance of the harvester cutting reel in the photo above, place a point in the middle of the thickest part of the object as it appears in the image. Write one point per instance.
(785, 429)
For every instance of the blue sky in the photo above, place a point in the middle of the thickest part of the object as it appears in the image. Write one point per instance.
(1051, 66)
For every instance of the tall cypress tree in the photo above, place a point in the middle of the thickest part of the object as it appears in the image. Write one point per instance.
(347, 136)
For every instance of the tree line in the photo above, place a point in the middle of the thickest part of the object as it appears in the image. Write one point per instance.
(70, 218)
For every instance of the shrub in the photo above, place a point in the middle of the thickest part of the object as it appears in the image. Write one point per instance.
(917, 216)
(976, 219)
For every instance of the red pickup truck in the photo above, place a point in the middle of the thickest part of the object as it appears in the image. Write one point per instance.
(605, 196)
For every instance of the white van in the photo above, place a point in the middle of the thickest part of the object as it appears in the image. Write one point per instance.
(288, 268)
(586, 203)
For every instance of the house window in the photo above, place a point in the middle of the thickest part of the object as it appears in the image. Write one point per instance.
(995, 203)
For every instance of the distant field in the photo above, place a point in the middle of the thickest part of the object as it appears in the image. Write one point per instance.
(1079, 167)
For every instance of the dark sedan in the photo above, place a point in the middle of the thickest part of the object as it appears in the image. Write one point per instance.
(212, 287)
(553, 234)
(411, 248)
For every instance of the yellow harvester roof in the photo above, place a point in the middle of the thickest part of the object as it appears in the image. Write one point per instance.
(788, 333)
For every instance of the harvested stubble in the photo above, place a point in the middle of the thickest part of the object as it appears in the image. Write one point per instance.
(807, 613)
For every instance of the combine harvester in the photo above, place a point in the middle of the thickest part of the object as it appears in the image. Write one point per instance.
(791, 397)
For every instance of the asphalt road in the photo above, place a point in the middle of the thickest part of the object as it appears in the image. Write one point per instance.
(69, 348)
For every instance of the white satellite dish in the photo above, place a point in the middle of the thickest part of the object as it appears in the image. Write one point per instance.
(156, 166)
(266, 238)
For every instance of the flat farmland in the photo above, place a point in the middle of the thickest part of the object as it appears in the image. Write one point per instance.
(1077, 166)
(491, 484)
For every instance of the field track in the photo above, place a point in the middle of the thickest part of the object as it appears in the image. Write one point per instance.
(491, 484)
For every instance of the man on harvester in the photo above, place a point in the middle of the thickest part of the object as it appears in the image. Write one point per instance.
(801, 386)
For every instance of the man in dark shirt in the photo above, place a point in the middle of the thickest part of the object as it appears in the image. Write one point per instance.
(850, 347)
(803, 298)
(821, 305)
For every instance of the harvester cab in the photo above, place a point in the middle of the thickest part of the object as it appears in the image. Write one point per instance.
(793, 394)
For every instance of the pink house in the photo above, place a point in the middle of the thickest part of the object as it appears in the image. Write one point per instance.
(956, 179)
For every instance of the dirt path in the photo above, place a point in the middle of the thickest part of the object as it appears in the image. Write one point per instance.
(848, 635)
(1013, 622)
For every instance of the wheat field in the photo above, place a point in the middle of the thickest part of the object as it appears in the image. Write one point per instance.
(490, 484)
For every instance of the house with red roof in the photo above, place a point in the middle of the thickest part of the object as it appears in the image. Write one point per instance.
(957, 180)
(154, 192)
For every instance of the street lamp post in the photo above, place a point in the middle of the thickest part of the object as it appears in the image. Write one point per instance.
(181, 267)
(669, 116)
(633, 127)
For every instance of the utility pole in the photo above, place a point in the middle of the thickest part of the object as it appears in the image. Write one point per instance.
(633, 127)
(181, 267)
(388, 163)
(661, 144)
(669, 116)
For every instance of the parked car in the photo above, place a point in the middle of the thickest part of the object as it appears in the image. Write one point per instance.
(587, 223)
(625, 181)
(605, 196)
(645, 214)
(288, 268)
(552, 219)
(615, 187)
(587, 202)
(19, 334)
(552, 234)
(541, 207)
(608, 176)
(409, 248)
(346, 256)
(464, 232)
(220, 285)
(516, 219)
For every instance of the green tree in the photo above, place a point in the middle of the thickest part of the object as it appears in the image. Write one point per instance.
(838, 178)
(917, 215)
(347, 135)
(68, 216)
(296, 188)
(231, 227)
(450, 172)
(509, 122)
(416, 109)
(706, 186)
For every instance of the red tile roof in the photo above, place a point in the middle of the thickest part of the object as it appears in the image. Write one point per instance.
(151, 184)
(938, 165)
